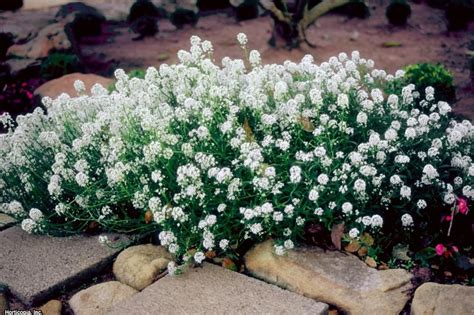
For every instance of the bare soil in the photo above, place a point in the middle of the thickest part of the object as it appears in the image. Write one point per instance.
(424, 39)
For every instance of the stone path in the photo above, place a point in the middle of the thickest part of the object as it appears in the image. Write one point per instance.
(35, 267)
(215, 290)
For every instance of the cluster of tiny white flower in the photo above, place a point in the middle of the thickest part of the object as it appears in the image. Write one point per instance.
(220, 154)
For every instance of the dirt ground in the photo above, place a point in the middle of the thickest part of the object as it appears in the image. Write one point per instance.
(424, 39)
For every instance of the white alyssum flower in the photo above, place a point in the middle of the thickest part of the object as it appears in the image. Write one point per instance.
(407, 220)
(354, 233)
(36, 214)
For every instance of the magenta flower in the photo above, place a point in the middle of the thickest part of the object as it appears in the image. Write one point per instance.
(462, 206)
(440, 249)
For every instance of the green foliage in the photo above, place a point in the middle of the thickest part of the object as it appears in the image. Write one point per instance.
(437, 76)
(59, 64)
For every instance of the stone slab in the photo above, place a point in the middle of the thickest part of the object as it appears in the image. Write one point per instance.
(215, 290)
(332, 277)
(6, 221)
(34, 267)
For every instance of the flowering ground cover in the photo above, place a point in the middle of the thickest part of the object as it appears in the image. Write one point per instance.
(214, 156)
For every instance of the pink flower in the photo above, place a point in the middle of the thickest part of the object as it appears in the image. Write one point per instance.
(446, 217)
(462, 206)
(440, 249)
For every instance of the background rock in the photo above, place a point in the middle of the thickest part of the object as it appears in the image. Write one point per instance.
(83, 19)
(99, 298)
(137, 266)
(433, 298)
(65, 84)
(50, 37)
(332, 277)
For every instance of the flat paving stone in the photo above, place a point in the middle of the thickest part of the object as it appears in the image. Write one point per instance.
(34, 266)
(6, 221)
(215, 290)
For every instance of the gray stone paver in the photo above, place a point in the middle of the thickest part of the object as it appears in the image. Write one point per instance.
(35, 267)
(215, 290)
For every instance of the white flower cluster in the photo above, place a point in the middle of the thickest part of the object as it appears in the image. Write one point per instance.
(220, 154)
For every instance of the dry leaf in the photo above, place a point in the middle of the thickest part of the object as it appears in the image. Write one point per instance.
(383, 266)
(248, 131)
(229, 264)
(362, 251)
(210, 254)
(352, 247)
(92, 227)
(367, 239)
(371, 262)
(307, 124)
(337, 232)
(148, 216)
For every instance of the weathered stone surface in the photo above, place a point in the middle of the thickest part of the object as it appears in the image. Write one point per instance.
(440, 299)
(137, 266)
(35, 266)
(53, 307)
(5, 221)
(332, 277)
(65, 84)
(99, 298)
(50, 37)
(215, 290)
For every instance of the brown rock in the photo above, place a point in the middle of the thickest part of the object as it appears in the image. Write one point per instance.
(137, 266)
(332, 277)
(51, 37)
(99, 298)
(65, 84)
(439, 299)
(53, 307)
(3, 303)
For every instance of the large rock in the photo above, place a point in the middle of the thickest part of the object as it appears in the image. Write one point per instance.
(214, 290)
(65, 84)
(439, 299)
(18, 67)
(99, 298)
(137, 266)
(53, 307)
(50, 37)
(332, 277)
(34, 267)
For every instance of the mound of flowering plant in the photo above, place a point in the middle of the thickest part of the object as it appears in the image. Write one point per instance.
(211, 156)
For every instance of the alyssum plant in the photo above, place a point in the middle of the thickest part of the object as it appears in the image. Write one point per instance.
(212, 156)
